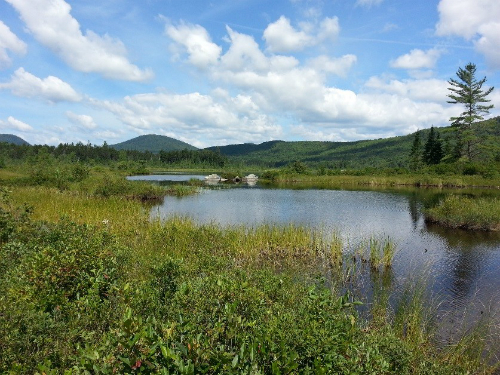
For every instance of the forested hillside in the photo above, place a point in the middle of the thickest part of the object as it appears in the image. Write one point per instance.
(153, 143)
(388, 152)
(11, 138)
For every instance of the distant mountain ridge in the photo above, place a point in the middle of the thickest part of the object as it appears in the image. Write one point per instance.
(11, 138)
(153, 143)
(385, 152)
(380, 152)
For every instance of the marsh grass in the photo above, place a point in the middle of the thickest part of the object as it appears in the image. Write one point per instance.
(181, 190)
(8, 175)
(381, 252)
(50, 204)
(469, 213)
(413, 317)
(336, 253)
(441, 181)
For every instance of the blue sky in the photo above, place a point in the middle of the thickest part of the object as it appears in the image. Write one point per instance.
(224, 72)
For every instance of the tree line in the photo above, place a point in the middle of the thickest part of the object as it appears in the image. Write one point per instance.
(88, 153)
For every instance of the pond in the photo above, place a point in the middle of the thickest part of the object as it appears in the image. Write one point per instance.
(463, 267)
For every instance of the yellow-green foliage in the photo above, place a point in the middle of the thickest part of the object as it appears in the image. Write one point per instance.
(50, 204)
(6, 175)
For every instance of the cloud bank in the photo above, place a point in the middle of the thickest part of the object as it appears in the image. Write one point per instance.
(276, 89)
(51, 89)
(474, 20)
(51, 23)
(9, 42)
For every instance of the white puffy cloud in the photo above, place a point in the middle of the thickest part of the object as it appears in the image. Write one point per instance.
(195, 39)
(281, 36)
(84, 121)
(489, 43)
(9, 41)
(295, 92)
(417, 59)
(52, 89)
(15, 124)
(338, 66)
(329, 29)
(51, 24)
(474, 20)
(422, 89)
(195, 116)
(243, 54)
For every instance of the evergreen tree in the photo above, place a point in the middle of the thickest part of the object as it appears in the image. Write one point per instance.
(437, 150)
(416, 153)
(433, 149)
(468, 91)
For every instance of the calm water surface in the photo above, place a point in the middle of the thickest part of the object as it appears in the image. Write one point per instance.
(463, 267)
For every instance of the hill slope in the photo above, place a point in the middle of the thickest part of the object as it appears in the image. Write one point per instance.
(388, 152)
(11, 138)
(382, 152)
(153, 143)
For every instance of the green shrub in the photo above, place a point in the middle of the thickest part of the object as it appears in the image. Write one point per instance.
(58, 288)
(79, 172)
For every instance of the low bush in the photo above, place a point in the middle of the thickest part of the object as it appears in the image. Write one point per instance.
(58, 286)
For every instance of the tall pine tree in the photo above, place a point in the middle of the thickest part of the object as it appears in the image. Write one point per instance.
(468, 91)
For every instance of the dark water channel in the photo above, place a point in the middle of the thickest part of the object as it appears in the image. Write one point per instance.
(461, 268)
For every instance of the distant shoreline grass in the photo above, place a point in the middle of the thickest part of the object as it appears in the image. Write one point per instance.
(451, 181)
(97, 181)
(467, 213)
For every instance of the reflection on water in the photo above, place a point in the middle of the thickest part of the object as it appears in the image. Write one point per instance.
(166, 178)
(463, 266)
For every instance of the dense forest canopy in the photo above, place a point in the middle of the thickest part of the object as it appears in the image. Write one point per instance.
(388, 153)
(87, 153)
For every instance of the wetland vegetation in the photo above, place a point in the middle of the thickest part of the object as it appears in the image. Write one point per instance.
(104, 289)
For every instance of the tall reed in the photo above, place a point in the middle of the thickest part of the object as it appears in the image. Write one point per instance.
(382, 252)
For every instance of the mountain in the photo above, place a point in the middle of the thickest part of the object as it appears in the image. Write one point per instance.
(11, 138)
(388, 152)
(153, 143)
(381, 152)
